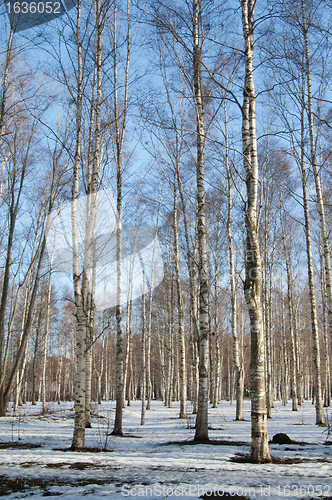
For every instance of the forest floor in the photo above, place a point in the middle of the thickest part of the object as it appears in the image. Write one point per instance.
(157, 460)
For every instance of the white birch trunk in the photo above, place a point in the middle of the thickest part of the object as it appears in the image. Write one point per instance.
(162, 362)
(183, 376)
(299, 386)
(327, 383)
(120, 117)
(130, 360)
(314, 320)
(79, 422)
(238, 367)
(149, 331)
(291, 320)
(45, 338)
(201, 433)
(143, 380)
(252, 287)
(217, 383)
(314, 164)
(284, 357)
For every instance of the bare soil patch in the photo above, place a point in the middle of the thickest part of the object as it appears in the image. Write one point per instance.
(85, 450)
(8, 486)
(213, 442)
(246, 459)
(224, 495)
(18, 445)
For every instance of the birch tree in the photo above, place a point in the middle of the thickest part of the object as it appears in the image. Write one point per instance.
(294, 371)
(120, 109)
(143, 378)
(84, 280)
(238, 366)
(253, 267)
(201, 433)
(314, 320)
(314, 164)
(80, 378)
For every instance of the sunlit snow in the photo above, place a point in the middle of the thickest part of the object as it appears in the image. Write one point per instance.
(143, 466)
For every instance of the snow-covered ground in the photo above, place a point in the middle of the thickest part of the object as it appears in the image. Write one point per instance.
(143, 466)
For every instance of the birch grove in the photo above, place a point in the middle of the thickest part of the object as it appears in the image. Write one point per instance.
(184, 150)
